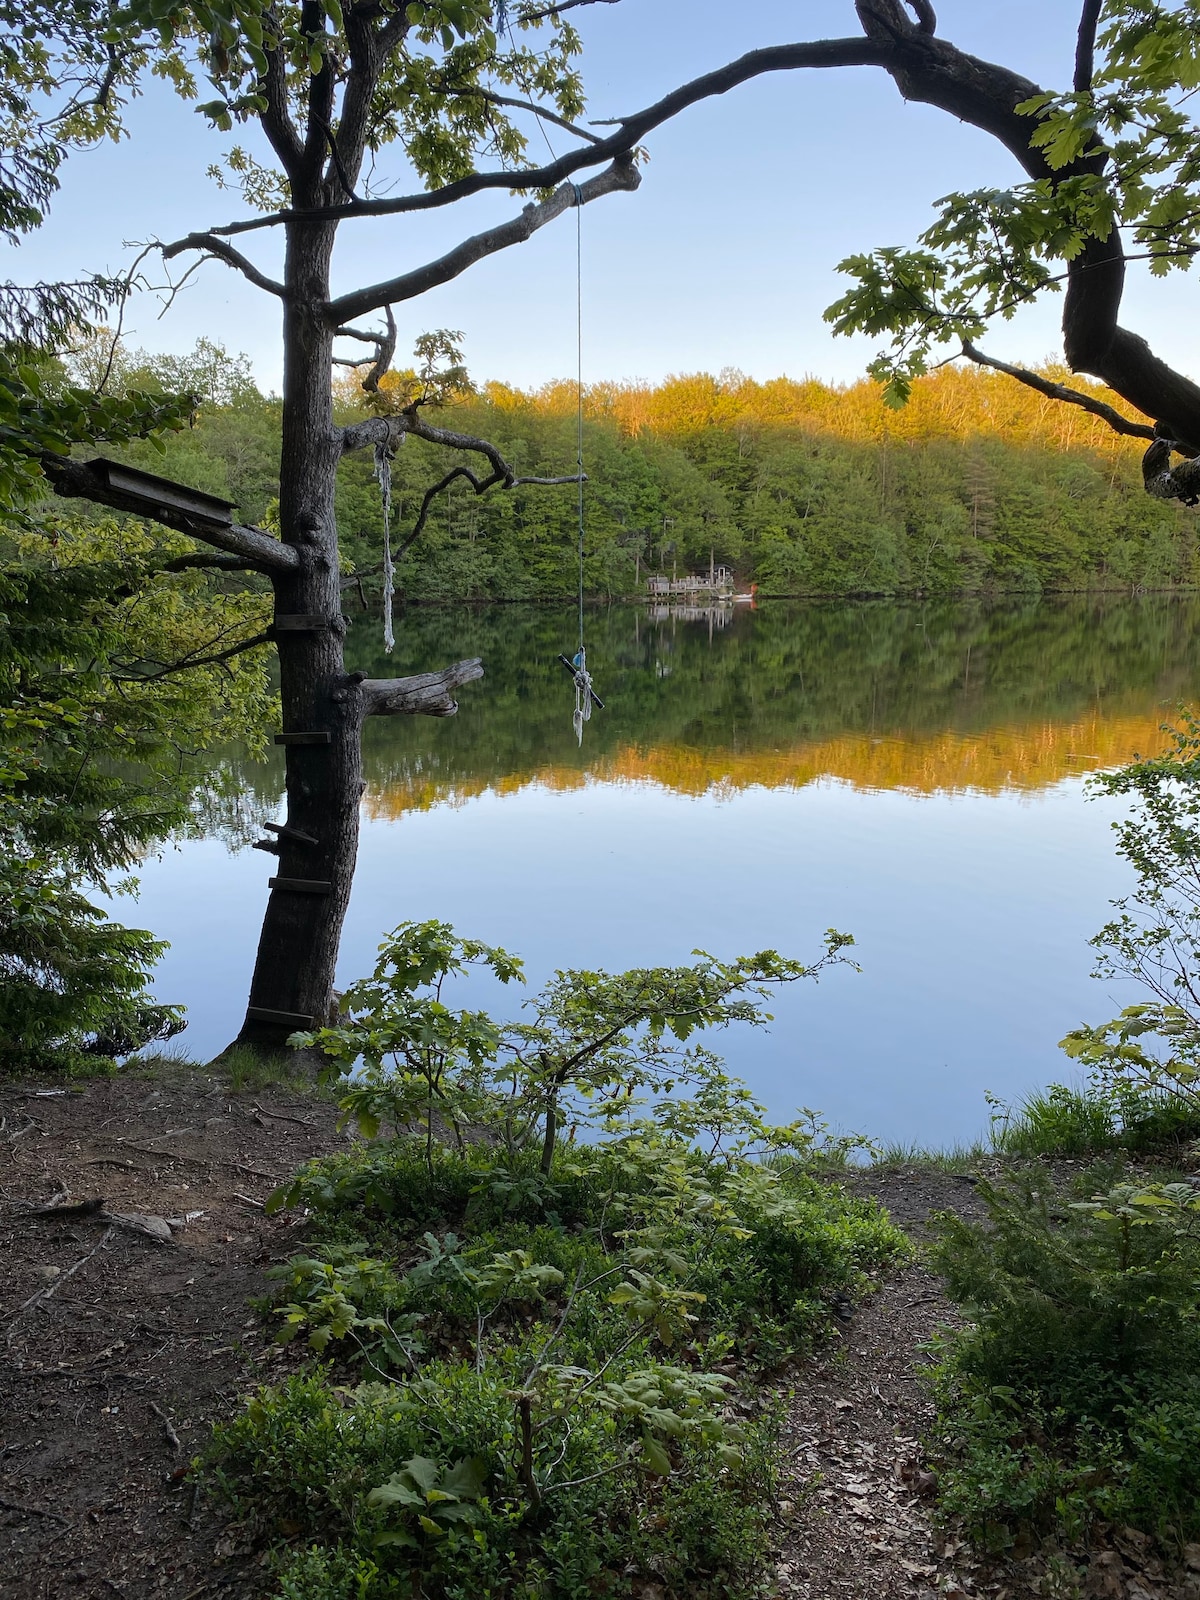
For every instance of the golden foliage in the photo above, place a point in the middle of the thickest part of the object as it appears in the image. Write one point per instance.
(1001, 760)
(957, 402)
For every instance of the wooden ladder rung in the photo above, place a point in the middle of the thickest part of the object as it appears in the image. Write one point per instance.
(289, 1019)
(316, 737)
(301, 885)
(300, 622)
(285, 831)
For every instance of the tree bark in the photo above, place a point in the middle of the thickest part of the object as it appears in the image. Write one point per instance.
(986, 95)
(301, 930)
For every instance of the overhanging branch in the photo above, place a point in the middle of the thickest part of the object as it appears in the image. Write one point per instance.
(428, 694)
(211, 245)
(1060, 391)
(621, 175)
(75, 480)
(630, 131)
(222, 563)
(389, 431)
(190, 663)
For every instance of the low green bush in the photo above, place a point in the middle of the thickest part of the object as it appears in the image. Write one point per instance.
(1074, 1393)
(537, 1350)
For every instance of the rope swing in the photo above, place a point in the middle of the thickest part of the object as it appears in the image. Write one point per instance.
(585, 696)
(383, 476)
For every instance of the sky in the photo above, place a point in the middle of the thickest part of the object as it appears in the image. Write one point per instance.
(725, 257)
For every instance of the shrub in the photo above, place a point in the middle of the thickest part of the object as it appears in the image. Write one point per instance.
(1073, 1393)
(538, 1341)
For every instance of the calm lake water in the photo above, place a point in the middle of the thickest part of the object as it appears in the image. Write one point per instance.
(912, 774)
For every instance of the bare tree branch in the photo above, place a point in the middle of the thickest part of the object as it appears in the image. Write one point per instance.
(477, 92)
(75, 480)
(563, 5)
(622, 174)
(335, 155)
(925, 14)
(189, 663)
(276, 119)
(428, 694)
(390, 430)
(226, 253)
(1085, 46)
(1182, 483)
(222, 563)
(1059, 391)
(631, 130)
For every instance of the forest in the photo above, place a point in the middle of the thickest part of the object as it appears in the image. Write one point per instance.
(977, 486)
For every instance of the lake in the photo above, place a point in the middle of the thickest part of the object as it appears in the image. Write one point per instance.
(914, 774)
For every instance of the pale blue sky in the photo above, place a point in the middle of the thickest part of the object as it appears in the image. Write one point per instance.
(725, 257)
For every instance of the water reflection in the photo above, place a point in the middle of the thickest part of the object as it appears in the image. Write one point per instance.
(935, 698)
(911, 774)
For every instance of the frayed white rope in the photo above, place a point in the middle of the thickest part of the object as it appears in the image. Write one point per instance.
(583, 695)
(383, 475)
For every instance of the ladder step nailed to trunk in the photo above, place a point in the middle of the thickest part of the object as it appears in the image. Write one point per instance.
(295, 1020)
(303, 622)
(292, 835)
(302, 885)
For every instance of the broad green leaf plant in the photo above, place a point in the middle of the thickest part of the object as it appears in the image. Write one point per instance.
(1154, 940)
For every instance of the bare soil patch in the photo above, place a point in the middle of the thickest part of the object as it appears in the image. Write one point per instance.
(121, 1349)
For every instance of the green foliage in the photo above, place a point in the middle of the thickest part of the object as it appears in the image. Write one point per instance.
(72, 983)
(551, 1332)
(1122, 153)
(437, 92)
(1103, 1114)
(110, 698)
(1155, 939)
(594, 1041)
(1072, 1393)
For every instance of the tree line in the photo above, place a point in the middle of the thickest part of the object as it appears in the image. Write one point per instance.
(978, 486)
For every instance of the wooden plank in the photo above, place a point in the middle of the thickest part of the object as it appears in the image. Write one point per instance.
(304, 738)
(155, 491)
(301, 885)
(289, 1019)
(300, 622)
(285, 832)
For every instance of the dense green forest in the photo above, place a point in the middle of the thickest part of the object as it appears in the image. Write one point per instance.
(802, 488)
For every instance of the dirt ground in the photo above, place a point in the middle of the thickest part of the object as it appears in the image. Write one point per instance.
(127, 1333)
(121, 1348)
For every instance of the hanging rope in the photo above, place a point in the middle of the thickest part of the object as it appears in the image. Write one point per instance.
(383, 476)
(585, 697)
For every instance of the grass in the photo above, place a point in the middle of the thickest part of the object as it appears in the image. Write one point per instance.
(248, 1071)
(955, 1158)
(1084, 1120)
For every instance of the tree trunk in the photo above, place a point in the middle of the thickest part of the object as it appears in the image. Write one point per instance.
(292, 986)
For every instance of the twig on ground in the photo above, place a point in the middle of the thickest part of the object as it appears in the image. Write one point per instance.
(52, 1288)
(172, 1436)
(33, 1511)
(249, 1200)
(85, 1208)
(281, 1116)
(251, 1172)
